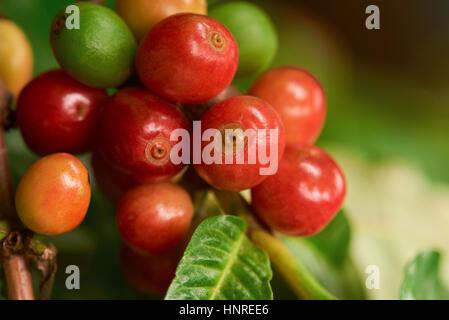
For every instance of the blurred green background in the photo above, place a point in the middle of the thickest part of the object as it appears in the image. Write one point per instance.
(388, 125)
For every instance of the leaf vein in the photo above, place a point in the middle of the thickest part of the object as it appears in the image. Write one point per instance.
(233, 256)
(242, 284)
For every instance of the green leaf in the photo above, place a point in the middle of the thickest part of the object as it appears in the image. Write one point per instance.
(298, 278)
(334, 240)
(422, 281)
(326, 256)
(343, 281)
(221, 263)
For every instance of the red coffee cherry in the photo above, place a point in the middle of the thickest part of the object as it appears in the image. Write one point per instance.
(154, 218)
(111, 181)
(54, 194)
(187, 58)
(149, 274)
(298, 98)
(240, 113)
(56, 113)
(134, 134)
(304, 195)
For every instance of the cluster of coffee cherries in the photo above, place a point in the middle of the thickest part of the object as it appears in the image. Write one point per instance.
(181, 71)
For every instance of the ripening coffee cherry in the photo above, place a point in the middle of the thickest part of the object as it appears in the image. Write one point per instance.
(16, 57)
(54, 194)
(142, 15)
(154, 218)
(251, 120)
(110, 180)
(56, 113)
(134, 131)
(150, 274)
(187, 58)
(254, 32)
(298, 98)
(100, 52)
(304, 195)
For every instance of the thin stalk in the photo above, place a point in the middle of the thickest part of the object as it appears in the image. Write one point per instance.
(17, 273)
(303, 284)
(300, 280)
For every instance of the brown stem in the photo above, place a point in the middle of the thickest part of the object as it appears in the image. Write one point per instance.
(7, 115)
(44, 257)
(7, 210)
(48, 266)
(18, 278)
(17, 274)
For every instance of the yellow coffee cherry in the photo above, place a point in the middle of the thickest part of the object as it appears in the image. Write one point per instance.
(16, 56)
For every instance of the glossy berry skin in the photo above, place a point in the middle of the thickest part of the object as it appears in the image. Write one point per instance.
(187, 58)
(101, 52)
(304, 195)
(142, 15)
(56, 113)
(254, 32)
(298, 98)
(16, 57)
(241, 112)
(154, 218)
(54, 194)
(134, 134)
(110, 180)
(150, 274)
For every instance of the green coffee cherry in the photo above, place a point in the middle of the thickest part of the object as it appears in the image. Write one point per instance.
(254, 33)
(100, 53)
